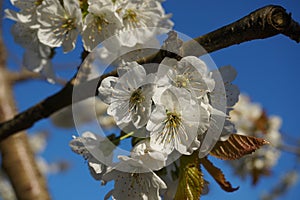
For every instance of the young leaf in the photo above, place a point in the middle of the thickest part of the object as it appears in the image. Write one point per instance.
(218, 175)
(236, 146)
(191, 180)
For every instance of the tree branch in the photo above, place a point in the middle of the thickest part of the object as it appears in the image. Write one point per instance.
(290, 149)
(262, 23)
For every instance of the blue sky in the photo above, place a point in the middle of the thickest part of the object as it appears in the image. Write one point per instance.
(268, 71)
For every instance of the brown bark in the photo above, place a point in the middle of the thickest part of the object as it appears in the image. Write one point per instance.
(262, 23)
(17, 158)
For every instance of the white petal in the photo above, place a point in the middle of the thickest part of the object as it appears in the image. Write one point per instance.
(106, 88)
(70, 40)
(228, 73)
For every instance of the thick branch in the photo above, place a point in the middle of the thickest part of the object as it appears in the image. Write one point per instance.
(17, 158)
(263, 23)
(260, 24)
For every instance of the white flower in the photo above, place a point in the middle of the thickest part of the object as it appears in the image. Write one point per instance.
(141, 22)
(151, 158)
(224, 97)
(27, 6)
(189, 73)
(132, 184)
(250, 119)
(33, 61)
(37, 56)
(174, 122)
(38, 142)
(140, 17)
(99, 24)
(27, 38)
(27, 13)
(96, 150)
(192, 75)
(129, 96)
(245, 113)
(225, 94)
(59, 25)
(273, 135)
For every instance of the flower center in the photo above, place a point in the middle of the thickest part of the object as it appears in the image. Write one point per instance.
(38, 2)
(136, 98)
(131, 16)
(83, 4)
(181, 81)
(135, 180)
(101, 21)
(68, 24)
(173, 121)
(172, 125)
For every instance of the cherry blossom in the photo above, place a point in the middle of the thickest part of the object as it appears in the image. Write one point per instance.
(129, 97)
(133, 184)
(59, 24)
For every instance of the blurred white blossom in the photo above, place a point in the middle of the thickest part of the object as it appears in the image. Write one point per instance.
(287, 181)
(86, 111)
(250, 119)
(37, 56)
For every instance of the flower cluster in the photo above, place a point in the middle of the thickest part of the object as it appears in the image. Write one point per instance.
(251, 120)
(42, 25)
(168, 108)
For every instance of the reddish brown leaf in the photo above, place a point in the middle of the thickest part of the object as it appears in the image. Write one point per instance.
(218, 175)
(236, 146)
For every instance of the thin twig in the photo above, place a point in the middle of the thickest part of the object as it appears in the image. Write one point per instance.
(25, 75)
(290, 149)
(262, 23)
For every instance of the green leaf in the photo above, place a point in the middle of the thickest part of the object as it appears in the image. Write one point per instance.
(191, 180)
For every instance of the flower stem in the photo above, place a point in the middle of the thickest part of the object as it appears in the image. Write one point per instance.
(126, 136)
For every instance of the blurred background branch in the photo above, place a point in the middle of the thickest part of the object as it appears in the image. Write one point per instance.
(17, 158)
